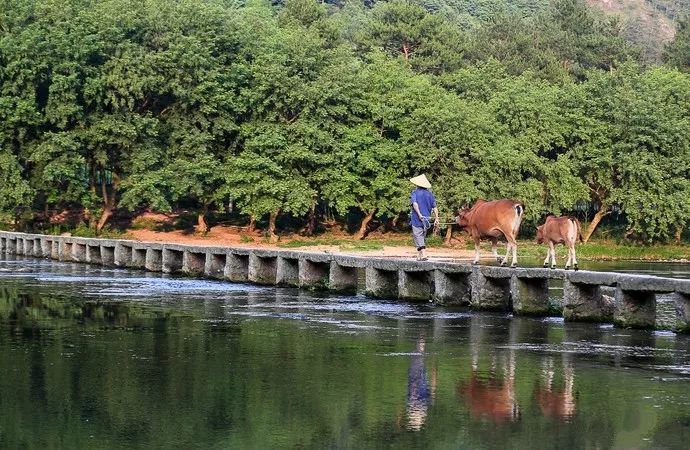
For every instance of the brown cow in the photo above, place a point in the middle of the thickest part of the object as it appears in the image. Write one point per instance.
(491, 220)
(560, 230)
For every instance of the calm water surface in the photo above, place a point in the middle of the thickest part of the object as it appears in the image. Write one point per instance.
(101, 358)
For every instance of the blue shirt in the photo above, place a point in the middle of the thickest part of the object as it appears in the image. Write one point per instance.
(426, 201)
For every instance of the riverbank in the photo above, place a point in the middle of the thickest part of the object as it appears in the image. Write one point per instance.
(400, 245)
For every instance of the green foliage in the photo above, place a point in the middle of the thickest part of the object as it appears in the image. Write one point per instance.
(300, 107)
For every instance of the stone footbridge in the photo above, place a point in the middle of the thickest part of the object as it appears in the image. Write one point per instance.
(624, 299)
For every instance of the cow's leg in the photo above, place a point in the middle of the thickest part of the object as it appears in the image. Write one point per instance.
(476, 249)
(494, 249)
(570, 255)
(548, 255)
(505, 259)
(552, 253)
(513, 245)
(572, 258)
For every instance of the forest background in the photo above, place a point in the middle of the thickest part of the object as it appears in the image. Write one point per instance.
(296, 114)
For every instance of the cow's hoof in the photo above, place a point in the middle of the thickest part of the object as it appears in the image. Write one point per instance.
(503, 264)
(567, 267)
(513, 266)
(475, 263)
(545, 265)
(553, 267)
(576, 268)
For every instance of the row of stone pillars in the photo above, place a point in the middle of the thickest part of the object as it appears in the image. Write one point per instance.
(626, 300)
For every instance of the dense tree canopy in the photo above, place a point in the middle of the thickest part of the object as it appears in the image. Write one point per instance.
(287, 108)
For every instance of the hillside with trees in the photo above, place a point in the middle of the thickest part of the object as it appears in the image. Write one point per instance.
(300, 109)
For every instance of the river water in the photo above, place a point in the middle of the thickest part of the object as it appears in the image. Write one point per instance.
(103, 358)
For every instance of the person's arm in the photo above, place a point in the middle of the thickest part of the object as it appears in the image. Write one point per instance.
(415, 206)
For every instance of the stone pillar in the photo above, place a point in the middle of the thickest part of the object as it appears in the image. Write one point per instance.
(635, 309)
(55, 249)
(154, 259)
(682, 301)
(79, 252)
(415, 285)
(138, 258)
(530, 291)
(172, 260)
(236, 267)
(491, 288)
(452, 288)
(3, 244)
(314, 275)
(584, 299)
(28, 247)
(65, 251)
(11, 246)
(93, 253)
(342, 278)
(123, 255)
(380, 283)
(19, 247)
(215, 265)
(193, 263)
(262, 269)
(108, 255)
(38, 248)
(287, 271)
(44, 246)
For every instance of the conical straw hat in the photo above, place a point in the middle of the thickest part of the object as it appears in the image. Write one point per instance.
(421, 181)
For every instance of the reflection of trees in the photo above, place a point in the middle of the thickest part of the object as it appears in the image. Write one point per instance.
(24, 308)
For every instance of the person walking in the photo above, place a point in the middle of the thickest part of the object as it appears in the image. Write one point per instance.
(423, 204)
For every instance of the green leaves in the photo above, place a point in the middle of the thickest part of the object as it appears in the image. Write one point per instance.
(165, 103)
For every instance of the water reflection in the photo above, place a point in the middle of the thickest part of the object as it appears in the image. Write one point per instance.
(420, 393)
(558, 403)
(89, 360)
(493, 397)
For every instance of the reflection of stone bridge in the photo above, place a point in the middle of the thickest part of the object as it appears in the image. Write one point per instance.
(627, 300)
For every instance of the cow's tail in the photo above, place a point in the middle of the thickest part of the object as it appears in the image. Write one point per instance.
(519, 211)
(578, 225)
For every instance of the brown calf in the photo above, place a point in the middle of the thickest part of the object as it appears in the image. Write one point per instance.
(560, 230)
(556, 403)
(490, 220)
(493, 399)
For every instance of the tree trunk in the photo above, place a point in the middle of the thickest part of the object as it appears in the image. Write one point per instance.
(603, 210)
(105, 215)
(361, 234)
(108, 201)
(678, 234)
(252, 224)
(272, 236)
(310, 228)
(201, 224)
(449, 236)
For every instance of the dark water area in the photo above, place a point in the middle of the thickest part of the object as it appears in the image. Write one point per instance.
(104, 358)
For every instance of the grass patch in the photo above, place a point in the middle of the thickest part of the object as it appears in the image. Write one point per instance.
(84, 230)
(612, 251)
